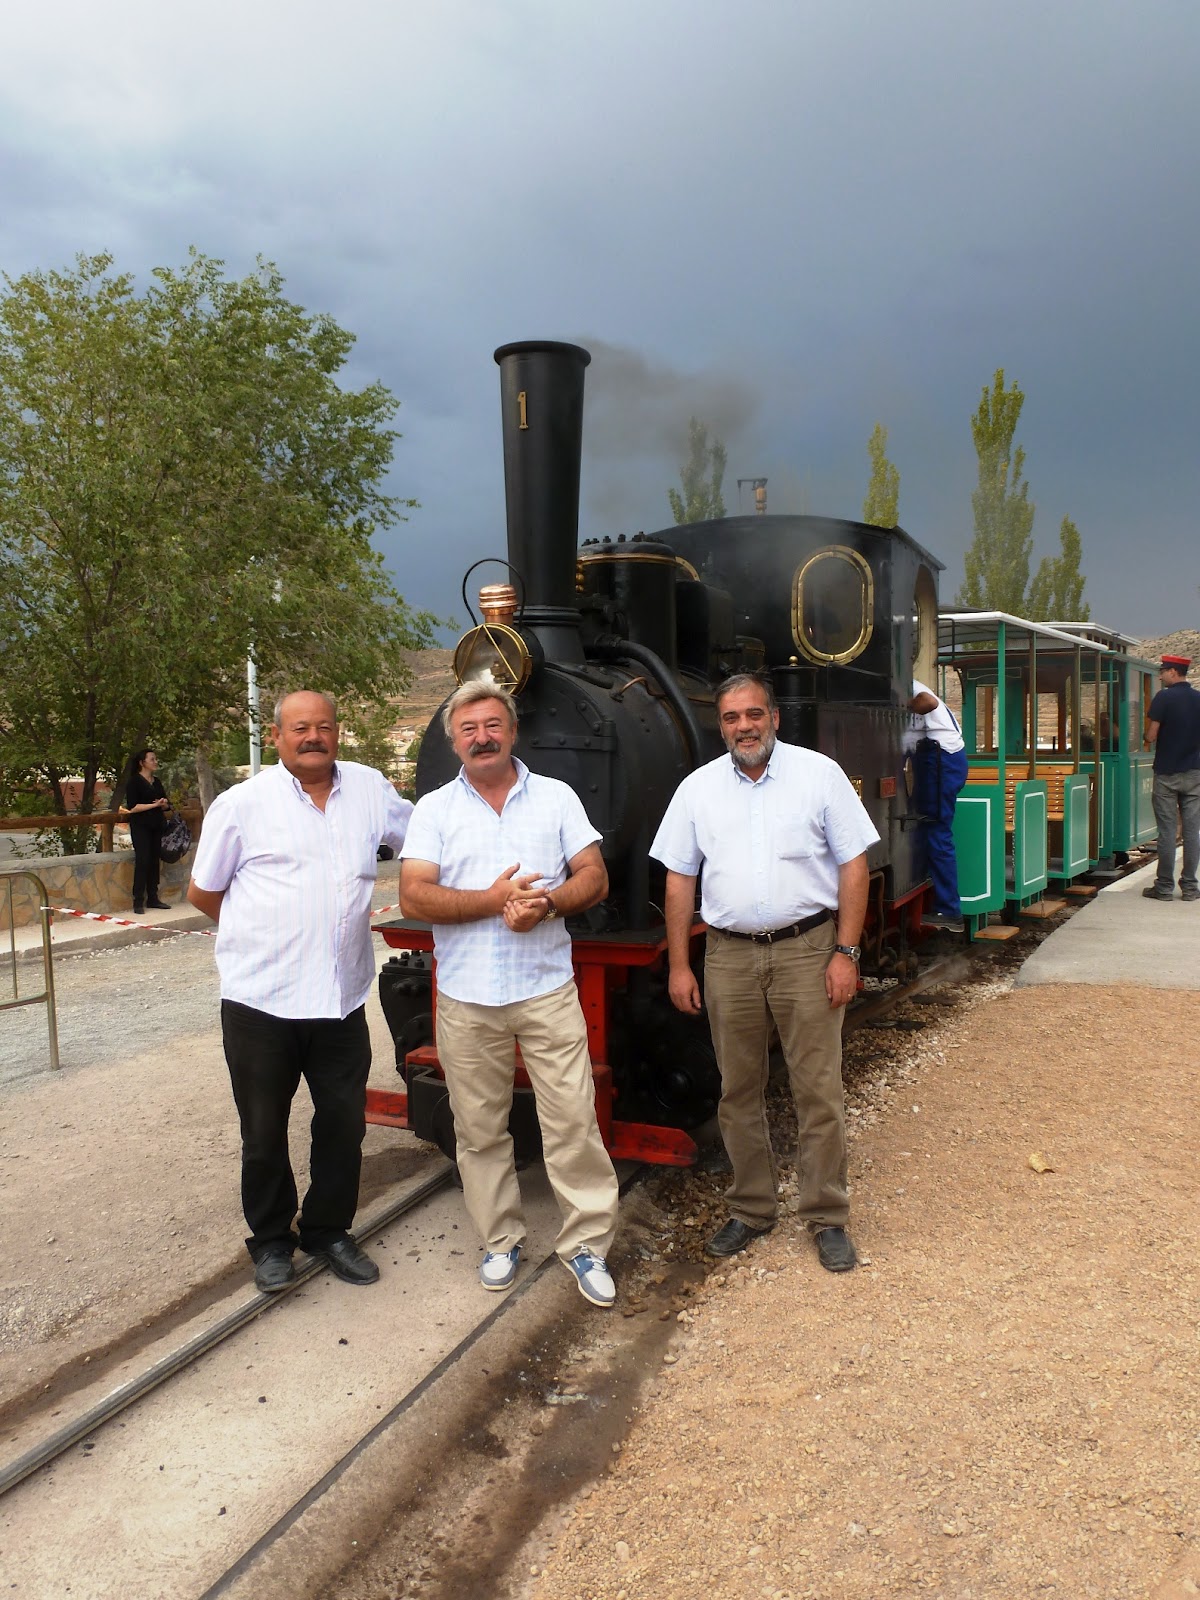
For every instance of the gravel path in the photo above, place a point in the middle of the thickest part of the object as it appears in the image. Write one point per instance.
(122, 1000)
(130, 1000)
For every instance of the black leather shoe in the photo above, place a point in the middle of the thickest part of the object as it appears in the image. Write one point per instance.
(139, 911)
(348, 1261)
(835, 1250)
(1155, 893)
(158, 905)
(734, 1236)
(274, 1270)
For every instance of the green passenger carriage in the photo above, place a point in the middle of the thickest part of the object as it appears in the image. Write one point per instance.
(1059, 775)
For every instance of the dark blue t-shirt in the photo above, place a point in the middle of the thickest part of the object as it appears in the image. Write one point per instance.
(1176, 709)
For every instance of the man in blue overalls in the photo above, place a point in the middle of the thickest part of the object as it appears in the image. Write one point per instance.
(941, 768)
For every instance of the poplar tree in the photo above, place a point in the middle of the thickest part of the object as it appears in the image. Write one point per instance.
(996, 564)
(1056, 593)
(700, 478)
(881, 508)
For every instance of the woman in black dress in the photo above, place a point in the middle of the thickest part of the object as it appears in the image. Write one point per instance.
(144, 805)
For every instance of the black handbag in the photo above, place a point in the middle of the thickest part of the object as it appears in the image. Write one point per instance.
(176, 839)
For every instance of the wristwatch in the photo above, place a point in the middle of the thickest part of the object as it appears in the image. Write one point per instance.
(854, 951)
(553, 911)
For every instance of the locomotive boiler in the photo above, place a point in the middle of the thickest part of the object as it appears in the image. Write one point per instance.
(613, 649)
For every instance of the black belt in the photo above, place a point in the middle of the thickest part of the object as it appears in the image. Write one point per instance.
(803, 926)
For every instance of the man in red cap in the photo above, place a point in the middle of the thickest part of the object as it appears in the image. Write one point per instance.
(1174, 731)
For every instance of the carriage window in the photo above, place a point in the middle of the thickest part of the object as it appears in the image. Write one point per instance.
(833, 600)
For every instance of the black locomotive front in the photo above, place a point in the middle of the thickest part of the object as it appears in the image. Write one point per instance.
(614, 648)
(606, 704)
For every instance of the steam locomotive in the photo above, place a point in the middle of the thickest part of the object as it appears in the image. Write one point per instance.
(614, 648)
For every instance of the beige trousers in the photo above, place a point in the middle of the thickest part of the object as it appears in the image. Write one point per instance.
(746, 988)
(475, 1047)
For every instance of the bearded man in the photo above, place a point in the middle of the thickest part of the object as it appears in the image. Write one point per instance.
(781, 838)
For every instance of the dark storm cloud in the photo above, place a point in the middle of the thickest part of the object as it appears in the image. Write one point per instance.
(789, 221)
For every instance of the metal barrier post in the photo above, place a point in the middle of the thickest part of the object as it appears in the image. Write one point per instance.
(47, 995)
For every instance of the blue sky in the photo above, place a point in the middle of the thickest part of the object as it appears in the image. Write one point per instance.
(793, 220)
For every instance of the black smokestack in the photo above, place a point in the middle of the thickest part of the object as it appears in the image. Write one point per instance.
(541, 399)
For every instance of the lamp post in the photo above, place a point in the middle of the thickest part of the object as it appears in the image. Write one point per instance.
(255, 727)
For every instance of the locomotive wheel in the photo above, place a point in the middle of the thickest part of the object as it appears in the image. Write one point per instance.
(441, 1125)
(680, 1074)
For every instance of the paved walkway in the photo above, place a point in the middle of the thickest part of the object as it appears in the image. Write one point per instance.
(1121, 938)
(70, 935)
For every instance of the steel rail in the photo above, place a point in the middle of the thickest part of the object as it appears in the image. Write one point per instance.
(239, 1567)
(125, 1394)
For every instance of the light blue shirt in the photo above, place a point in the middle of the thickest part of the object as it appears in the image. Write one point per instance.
(542, 826)
(294, 938)
(767, 852)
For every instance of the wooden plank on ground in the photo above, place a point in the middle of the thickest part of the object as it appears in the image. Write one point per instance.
(1081, 891)
(1043, 908)
(998, 930)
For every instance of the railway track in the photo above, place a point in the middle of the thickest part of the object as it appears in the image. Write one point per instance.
(87, 1422)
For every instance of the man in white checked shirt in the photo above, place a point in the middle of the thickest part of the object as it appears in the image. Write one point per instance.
(287, 863)
(494, 860)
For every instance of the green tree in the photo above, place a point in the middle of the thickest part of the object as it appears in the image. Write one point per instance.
(997, 561)
(881, 508)
(1056, 593)
(182, 479)
(700, 478)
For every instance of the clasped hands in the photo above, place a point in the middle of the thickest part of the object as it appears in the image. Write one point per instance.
(521, 905)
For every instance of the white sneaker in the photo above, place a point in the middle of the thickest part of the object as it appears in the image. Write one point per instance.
(499, 1267)
(593, 1277)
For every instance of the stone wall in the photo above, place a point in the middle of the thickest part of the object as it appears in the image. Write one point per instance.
(97, 882)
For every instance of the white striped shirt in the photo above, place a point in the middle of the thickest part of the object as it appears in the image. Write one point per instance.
(294, 938)
(770, 850)
(542, 827)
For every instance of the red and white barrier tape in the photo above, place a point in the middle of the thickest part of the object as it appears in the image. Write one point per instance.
(126, 922)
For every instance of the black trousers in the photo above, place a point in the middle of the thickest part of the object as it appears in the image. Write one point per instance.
(145, 862)
(267, 1057)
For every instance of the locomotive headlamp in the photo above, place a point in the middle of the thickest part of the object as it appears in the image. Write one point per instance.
(494, 652)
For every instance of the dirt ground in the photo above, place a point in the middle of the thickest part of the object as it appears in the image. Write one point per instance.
(1001, 1401)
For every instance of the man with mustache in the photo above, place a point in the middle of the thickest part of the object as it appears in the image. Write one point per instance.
(495, 860)
(781, 838)
(286, 865)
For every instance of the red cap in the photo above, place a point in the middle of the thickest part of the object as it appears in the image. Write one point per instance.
(1182, 663)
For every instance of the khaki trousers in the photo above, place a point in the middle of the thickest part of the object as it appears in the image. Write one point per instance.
(475, 1048)
(746, 987)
